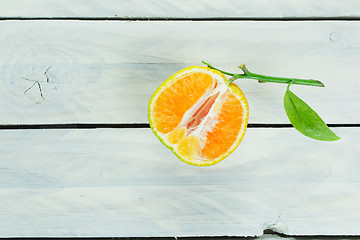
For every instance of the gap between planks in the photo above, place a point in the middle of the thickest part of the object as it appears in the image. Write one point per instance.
(268, 235)
(137, 125)
(180, 9)
(352, 18)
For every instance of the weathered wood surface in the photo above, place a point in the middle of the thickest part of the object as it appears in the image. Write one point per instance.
(106, 71)
(123, 182)
(180, 9)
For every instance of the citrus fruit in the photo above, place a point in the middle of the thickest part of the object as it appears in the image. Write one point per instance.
(198, 116)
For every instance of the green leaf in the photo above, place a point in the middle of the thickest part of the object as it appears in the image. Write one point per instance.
(306, 120)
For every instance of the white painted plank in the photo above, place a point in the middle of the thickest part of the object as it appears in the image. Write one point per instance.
(107, 71)
(180, 9)
(124, 182)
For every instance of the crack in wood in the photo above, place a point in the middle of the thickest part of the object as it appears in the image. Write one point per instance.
(32, 80)
(45, 73)
(37, 82)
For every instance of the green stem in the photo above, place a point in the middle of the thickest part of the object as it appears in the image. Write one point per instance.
(263, 78)
(288, 86)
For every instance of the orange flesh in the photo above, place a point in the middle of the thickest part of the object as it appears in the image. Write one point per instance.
(176, 135)
(200, 137)
(224, 133)
(172, 104)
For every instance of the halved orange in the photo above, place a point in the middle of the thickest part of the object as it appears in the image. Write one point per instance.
(198, 116)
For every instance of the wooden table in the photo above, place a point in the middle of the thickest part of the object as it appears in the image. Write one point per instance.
(78, 158)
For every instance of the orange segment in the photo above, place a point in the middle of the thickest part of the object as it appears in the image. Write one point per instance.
(198, 116)
(223, 135)
(176, 135)
(189, 148)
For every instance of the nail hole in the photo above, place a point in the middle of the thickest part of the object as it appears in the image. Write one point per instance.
(334, 36)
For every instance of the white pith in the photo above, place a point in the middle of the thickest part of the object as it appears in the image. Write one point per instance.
(210, 119)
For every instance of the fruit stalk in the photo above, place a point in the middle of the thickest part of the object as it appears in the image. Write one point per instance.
(264, 78)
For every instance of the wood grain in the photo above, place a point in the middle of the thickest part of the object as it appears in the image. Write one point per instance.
(105, 72)
(180, 9)
(124, 182)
